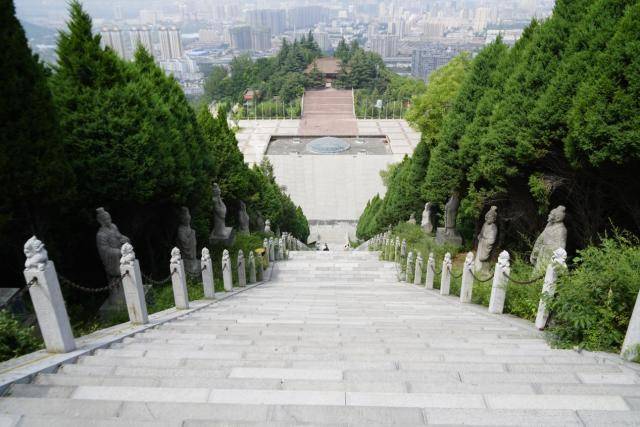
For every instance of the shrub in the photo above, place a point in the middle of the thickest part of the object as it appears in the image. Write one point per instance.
(15, 338)
(594, 303)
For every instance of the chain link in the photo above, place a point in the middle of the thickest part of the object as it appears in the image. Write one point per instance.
(20, 293)
(481, 280)
(524, 282)
(113, 283)
(453, 275)
(437, 273)
(148, 279)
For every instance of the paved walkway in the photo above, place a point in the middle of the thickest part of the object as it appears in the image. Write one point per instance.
(333, 339)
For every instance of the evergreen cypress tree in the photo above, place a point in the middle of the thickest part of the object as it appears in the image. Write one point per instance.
(36, 183)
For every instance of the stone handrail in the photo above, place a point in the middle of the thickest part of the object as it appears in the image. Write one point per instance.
(44, 286)
(387, 245)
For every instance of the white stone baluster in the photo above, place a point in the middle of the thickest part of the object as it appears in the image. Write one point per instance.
(558, 261)
(500, 282)
(466, 289)
(132, 286)
(252, 268)
(431, 272)
(417, 275)
(44, 289)
(242, 272)
(207, 274)
(409, 267)
(445, 277)
(227, 277)
(178, 280)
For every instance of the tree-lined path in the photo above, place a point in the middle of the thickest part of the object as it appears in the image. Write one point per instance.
(332, 339)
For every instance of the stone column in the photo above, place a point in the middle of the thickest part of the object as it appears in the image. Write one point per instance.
(272, 250)
(558, 262)
(132, 286)
(445, 277)
(252, 268)
(265, 244)
(242, 272)
(431, 273)
(227, 278)
(178, 280)
(466, 289)
(408, 275)
(44, 289)
(207, 275)
(417, 275)
(260, 266)
(500, 282)
(396, 251)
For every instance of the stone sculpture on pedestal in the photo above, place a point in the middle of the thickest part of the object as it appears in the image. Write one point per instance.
(553, 237)
(412, 219)
(486, 240)
(243, 218)
(221, 234)
(448, 233)
(187, 243)
(267, 226)
(259, 222)
(427, 218)
(109, 241)
(37, 256)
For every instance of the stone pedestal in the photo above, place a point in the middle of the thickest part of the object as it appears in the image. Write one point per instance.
(242, 272)
(448, 236)
(134, 292)
(226, 238)
(252, 268)
(50, 309)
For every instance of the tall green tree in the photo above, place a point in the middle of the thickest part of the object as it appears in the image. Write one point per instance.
(36, 182)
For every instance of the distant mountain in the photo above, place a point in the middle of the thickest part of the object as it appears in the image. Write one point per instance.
(38, 32)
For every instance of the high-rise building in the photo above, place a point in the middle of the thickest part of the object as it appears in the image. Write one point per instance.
(241, 37)
(112, 37)
(322, 39)
(141, 36)
(384, 45)
(428, 59)
(433, 28)
(170, 43)
(274, 19)
(308, 16)
(481, 18)
(260, 39)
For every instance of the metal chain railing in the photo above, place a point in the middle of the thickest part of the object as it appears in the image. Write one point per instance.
(479, 279)
(151, 281)
(523, 282)
(437, 273)
(113, 283)
(20, 293)
(453, 275)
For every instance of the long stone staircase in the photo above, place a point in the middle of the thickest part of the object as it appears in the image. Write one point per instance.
(332, 339)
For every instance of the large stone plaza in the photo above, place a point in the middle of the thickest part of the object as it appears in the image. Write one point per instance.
(332, 189)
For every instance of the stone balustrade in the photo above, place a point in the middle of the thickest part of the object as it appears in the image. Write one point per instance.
(44, 287)
(392, 250)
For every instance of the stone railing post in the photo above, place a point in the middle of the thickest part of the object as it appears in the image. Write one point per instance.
(272, 250)
(44, 289)
(178, 280)
(265, 244)
(242, 272)
(500, 282)
(431, 272)
(631, 345)
(445, 277)
(409, 270)
(558, 261)
(132, 286)
(396, 250)
(252, 268)
(260, 266)
(227, 277)
(466, 289)
(207, 274)
(417, 274)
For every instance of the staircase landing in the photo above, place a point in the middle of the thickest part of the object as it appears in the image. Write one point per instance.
(333, 339)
